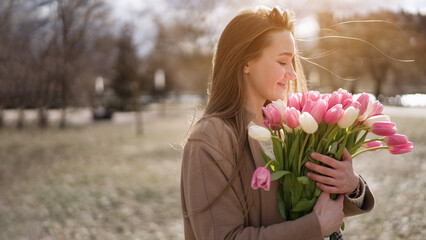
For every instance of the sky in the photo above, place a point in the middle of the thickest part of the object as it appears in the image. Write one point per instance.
(140, 12)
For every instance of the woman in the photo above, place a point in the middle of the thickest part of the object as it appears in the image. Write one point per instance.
(255, 62)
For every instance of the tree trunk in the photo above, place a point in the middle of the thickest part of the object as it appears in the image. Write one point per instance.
(138, 112)
(20, 122)
(63, 120)
(378, 88)
(42, 117)
(1, 117)
(138, 121)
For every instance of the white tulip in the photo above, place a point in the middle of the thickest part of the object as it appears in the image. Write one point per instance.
(378, 118)
(349, 117)
(367, 112)
(279, 104)
(259, 133)
(308, 123)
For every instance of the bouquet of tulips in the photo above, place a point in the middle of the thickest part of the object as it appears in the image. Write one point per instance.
(327, 124)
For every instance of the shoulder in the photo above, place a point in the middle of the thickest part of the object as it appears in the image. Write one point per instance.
(213, 138)
(212, 130)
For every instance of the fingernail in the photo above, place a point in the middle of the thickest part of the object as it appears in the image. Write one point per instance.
(308, 164)
(313, 154)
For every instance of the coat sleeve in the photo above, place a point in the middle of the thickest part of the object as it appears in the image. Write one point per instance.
(350, 207)
(207, 165)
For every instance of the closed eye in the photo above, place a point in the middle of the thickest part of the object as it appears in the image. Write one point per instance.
(282, 63)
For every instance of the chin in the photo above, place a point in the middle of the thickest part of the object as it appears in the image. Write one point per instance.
(279, 96)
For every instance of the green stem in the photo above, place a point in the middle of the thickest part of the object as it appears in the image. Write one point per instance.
(358, 129)
(333, 132)
(301, 151)
(367, 150)
(269, 163)
(374, 139)
(279, 139)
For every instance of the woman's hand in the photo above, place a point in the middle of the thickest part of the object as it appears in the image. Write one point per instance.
(329, 212)
(339, 177)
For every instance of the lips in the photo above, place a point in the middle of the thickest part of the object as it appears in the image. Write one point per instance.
(282, 84)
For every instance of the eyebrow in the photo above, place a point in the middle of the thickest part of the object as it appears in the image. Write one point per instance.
(287, 54)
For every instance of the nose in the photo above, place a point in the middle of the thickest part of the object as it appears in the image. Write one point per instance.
(290, 74)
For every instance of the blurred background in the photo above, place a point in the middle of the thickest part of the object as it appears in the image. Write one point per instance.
(96, 97)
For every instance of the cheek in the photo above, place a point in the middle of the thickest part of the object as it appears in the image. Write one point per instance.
(276, 73)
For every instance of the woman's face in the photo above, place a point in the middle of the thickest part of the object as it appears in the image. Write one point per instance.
(267, 76)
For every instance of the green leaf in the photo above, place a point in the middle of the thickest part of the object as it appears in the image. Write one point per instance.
(287, 185)
(343, 226)
(297, 191)
(281, 203)
(265, 157)
(278, 150)
(306, 159)
(293, 150)
(351, 140)
(278, 174)
(317, 192)
(358, 143)
(332, 149)
(304, 205)
(303, 180)
(339, 153)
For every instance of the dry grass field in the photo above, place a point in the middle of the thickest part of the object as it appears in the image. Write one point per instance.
(101, 181)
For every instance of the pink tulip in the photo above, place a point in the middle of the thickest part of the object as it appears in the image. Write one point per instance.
(293, 100)
(314, 95)
(363, 100)
(383, 128)
(291, 117)
(349, 102)
(378, 118)
(309, 106)
(334, 114)
(325, 97)
(261, 179)
(317, 109)
(397, 139)
(401, 149)
(345, 94)
(311, 95)
(273, 116)
(279, 104)
(377, 109)
(335, 98)
(372, 145)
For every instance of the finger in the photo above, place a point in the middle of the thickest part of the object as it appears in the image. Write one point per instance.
(346, 155)
(325, 159)
(327, 188)
(321, 169)
(324, 196)
(322, 179)
(340, 199)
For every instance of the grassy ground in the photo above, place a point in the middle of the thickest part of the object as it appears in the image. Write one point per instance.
(101, 181)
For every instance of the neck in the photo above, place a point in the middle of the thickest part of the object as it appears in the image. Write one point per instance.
(255, 106)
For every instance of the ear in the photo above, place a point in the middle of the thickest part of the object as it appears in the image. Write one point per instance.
(247, 68)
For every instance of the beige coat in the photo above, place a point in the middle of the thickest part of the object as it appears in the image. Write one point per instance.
(207, 164)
